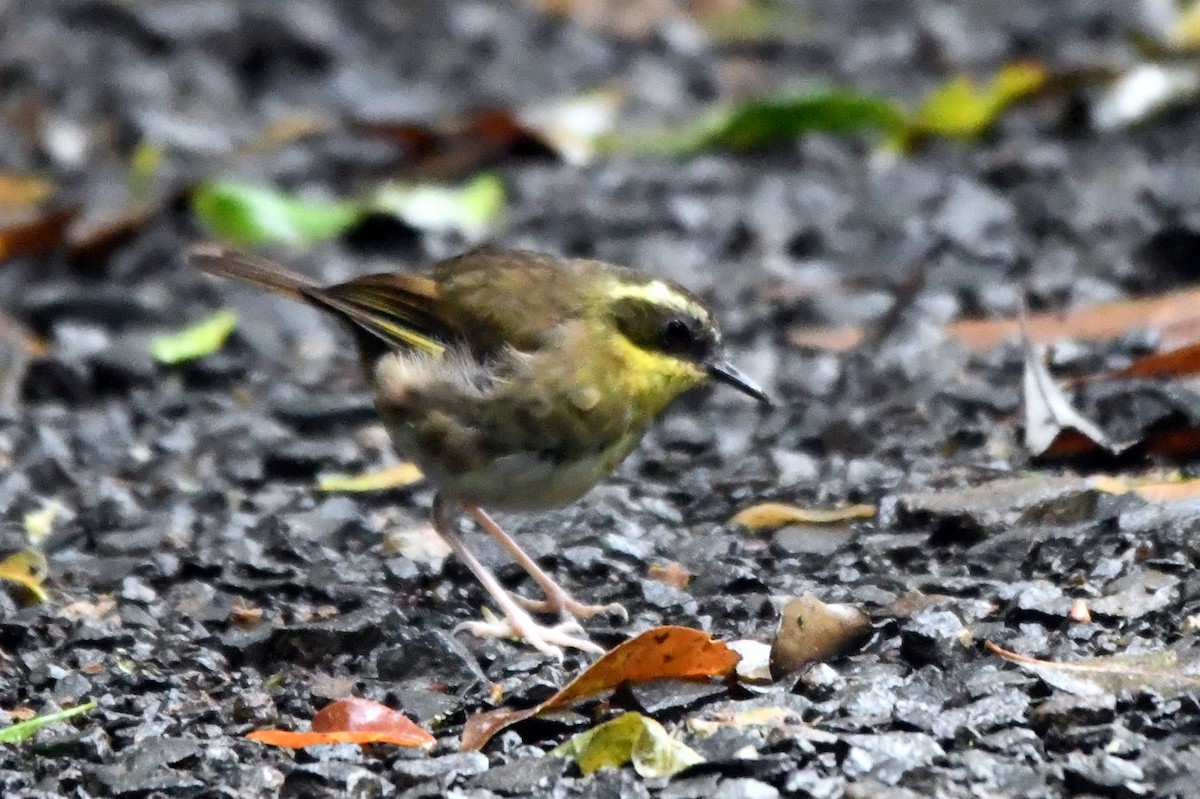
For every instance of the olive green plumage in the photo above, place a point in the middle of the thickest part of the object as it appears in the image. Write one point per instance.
(514, 380)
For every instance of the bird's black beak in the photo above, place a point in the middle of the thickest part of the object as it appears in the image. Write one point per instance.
(727, 373)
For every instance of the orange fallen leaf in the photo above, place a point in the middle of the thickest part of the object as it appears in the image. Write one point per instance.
(1176, 317)
(768, 515)
(661, 653)
(351, 720)
(672, 574)
(1179, 362)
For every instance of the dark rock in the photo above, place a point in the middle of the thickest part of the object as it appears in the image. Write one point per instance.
(810, 783)
(1063, 710)
(356, 632)
(1137, 594)
(318, 412)
(667, 696)
(999, 710)
(666, 597)
(691, 785)
(446, 767)
(889, 756)
(522, 777)
(144, 768)
(345, 779)
(1103, 772)
(999, 505)
(820, 540)
(935, 636)
(122, 366)
(303, 459)
(414, 653)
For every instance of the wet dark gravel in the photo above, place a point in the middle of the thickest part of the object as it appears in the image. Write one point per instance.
(201, 588)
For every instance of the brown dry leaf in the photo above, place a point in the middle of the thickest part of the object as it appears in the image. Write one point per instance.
(94, 235)
(661, 653)
(570, 128)
(351, 720)
(34, 233)
(1176, 317)
(462, 145)
(1163, 672)
(1177, 444)
(245, 616)
(672, 574)
(771, 515)
(811, 630)
(1179, 362)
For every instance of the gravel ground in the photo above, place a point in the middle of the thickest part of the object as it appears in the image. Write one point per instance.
(200, 588)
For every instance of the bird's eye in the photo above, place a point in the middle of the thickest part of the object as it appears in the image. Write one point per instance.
(677, 336)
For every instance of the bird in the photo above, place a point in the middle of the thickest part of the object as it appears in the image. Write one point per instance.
(515, 380)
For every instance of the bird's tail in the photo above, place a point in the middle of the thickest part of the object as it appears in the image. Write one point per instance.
(225, 262)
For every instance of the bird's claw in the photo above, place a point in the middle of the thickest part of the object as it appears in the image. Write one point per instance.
(568, 607)
(547, 640)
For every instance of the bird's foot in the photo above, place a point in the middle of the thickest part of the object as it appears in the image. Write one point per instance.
(547, 640)
(568, 607)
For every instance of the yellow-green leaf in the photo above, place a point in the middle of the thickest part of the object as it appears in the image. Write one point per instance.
(404, 474)
(251, 214)
(1184, 32)
(630, 738)
(28, 569)
(471, 209)
(203, 338)
(19, 733)
(963, 109)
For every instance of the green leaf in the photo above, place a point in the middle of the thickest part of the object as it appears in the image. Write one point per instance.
(773, 120)
(19, 733)
(630, 738)
(203, 338)
(470, 210)
(962, 109)
(252, 214)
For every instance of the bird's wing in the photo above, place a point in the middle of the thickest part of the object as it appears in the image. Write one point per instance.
(397, 310)
(508, 298)
(403, 310)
